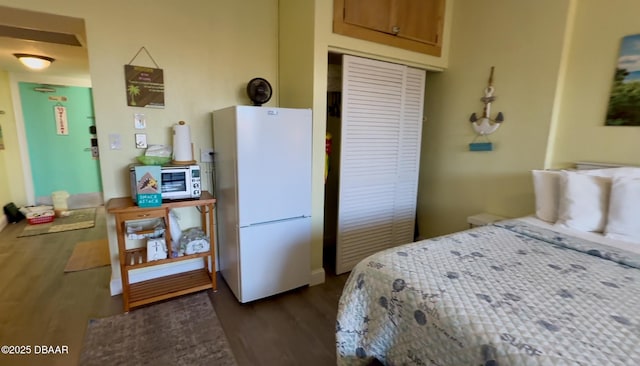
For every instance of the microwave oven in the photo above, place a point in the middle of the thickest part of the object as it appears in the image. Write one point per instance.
(176, 182)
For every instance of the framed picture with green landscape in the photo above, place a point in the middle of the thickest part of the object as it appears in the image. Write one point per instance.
(624, 102)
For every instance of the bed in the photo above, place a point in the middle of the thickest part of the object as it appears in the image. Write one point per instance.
(519, 292)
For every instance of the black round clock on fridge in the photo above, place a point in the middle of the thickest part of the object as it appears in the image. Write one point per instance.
(259, 91)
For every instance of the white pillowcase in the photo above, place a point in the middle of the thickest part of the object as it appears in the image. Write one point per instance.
(547, 189)
(625, 171)
(623, 221)
(584, 201)
(581, 200)
(546, 186)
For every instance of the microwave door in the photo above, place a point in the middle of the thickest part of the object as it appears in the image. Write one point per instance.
(174, 185)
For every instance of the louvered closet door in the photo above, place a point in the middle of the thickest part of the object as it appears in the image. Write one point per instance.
(409, 156)
(380, 151)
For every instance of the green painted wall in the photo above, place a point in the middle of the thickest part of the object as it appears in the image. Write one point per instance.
(60, 162)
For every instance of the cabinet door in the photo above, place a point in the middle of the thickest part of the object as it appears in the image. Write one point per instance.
(371, 14)
(418, 20)
(415, 25)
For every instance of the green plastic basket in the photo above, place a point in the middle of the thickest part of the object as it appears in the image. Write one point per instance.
(153, 160)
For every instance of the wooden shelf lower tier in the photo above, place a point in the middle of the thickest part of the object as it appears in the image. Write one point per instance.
(137, 258)
(162, 288)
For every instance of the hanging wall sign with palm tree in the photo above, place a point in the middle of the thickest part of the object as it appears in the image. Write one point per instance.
(145, 86)
(624, 102)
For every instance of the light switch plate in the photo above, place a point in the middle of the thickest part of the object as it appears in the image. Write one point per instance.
(141, 140)
(205, 155)
(115, 141)
(139, 121)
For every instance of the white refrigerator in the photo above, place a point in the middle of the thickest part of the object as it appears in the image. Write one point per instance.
(263, 191)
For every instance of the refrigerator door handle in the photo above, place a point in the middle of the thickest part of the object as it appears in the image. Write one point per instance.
(276, 221)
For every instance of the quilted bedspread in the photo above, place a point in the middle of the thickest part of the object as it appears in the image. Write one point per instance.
(507, 294)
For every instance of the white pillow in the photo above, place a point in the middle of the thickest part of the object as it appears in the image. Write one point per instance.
(623, 222)
(546, 186)
(625, 171)
(584, 201)
(548, 190)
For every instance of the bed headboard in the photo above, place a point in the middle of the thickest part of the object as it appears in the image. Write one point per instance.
(581, 165)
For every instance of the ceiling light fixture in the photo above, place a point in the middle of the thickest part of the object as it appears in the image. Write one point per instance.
(34, 62)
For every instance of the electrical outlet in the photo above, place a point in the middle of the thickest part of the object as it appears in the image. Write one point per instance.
(206, 155)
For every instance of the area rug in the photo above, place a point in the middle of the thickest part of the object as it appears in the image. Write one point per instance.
(88, 254)
(77, 219)
(182, 331)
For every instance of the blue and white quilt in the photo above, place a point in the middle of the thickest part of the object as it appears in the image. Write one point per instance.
(507, 294)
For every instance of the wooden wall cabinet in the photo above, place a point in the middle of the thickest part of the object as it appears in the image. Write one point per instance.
(414, 25)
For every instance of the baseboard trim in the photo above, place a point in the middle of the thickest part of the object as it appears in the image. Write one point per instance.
(317, 277)
(76, 201)
(3, 222)
(149, 273)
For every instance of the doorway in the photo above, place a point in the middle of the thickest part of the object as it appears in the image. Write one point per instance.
(60, 132)
(38, 151)
(332, 160)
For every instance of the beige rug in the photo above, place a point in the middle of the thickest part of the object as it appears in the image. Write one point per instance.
(181, 331)
(88, 254)
(78, 219)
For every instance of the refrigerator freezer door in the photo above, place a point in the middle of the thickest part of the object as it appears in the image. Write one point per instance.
(274, 258)
(274, 163)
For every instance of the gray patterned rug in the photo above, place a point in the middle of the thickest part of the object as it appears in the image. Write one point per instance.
(182, 331)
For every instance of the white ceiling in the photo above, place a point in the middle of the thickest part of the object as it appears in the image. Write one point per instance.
(43, 34)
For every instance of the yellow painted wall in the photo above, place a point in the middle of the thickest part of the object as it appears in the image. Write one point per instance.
(6, 124)
(581, 134)
(296, 80)
(11, 187)
(554, 67)
(295, 53)
(524, 41)
(208, 50)
(6, 120)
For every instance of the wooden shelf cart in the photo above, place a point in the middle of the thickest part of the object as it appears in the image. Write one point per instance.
(145, 292)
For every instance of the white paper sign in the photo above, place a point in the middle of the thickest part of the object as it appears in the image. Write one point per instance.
(156, 249)
(62, 127)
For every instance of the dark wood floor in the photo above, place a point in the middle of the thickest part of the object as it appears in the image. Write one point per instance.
(294, 328)
(42, 305)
